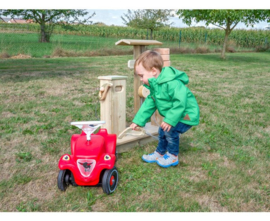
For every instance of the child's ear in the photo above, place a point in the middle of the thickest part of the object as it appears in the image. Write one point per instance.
(154, 71)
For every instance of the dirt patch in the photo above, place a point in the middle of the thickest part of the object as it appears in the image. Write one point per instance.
(7, 114)
(267, 129)
(211, 203)
(101, 205)
(197, 175)
(40, 190)
(21, 56)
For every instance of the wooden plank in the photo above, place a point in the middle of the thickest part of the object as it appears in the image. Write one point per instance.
(137, 99)
(156, 119)
(121, 148)
(113, 108)
(137, 50)
(130, 42)
(151, 129)
(128, 142)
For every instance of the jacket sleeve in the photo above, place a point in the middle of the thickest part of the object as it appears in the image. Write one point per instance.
(178, 93)
(145, 112)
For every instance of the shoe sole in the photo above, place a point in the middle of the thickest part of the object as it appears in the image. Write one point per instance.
(166, 166)
(149, 161)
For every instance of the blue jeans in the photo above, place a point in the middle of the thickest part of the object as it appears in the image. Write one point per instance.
(169, 141)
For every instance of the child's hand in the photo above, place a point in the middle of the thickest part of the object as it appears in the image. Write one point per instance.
(133, 126)
(165, 126)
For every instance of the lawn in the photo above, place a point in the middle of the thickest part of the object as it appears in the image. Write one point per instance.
(27, 43)
(80, 45)
(224, 162)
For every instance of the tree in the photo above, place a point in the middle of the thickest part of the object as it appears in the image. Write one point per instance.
(225, 19)
(47, 19)
(266, 13)
(152, 19)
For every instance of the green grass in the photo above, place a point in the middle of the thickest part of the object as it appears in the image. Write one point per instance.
(27, 44)
(198, 35)
(224, 162)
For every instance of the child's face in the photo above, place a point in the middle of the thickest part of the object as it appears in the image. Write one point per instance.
(145, 74)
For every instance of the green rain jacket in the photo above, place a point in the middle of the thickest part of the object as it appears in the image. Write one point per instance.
(174, 101)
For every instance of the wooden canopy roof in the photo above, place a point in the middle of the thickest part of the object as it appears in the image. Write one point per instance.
(131, 42)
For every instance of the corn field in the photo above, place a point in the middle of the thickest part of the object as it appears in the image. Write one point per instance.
(240, 37)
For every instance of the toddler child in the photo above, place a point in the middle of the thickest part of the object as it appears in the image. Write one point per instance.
(173, 100)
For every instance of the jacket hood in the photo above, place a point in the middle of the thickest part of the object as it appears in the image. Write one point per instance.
(170, 73)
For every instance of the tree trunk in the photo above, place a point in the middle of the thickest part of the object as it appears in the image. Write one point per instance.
(227, 33)
(151, 34)
(224, 45)
(44, 33)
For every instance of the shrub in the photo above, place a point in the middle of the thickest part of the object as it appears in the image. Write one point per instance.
(262, 48)
(60, 52)
(4, 55)
(202, 49)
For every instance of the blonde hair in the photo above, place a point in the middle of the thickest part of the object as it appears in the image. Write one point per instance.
(150, 59)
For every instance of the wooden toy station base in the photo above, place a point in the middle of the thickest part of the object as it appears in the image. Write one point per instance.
(128, 142)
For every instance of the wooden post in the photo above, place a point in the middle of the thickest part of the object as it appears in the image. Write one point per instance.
(127, 142)
(138, 49)
(113, 107)
(156, 118)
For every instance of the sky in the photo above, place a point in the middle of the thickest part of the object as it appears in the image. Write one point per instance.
(110, 11)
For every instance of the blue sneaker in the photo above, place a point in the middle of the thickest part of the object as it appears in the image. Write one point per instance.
(152, 157)
(168, 160)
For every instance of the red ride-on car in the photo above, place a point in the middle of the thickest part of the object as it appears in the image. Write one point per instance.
(92, 159)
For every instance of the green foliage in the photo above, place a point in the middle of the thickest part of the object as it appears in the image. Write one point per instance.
(91, 38)
(47, 19)
(222, 17)
(225, 19)
(152, 19)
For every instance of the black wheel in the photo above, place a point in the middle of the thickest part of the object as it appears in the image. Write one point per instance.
(110, 180)
(72, 180)
(63, 179)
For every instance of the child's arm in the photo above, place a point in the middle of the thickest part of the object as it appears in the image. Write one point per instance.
(145, 112)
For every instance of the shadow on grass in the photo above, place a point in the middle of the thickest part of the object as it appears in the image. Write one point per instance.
(185, 145)
(26, 77)
(24, 70)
